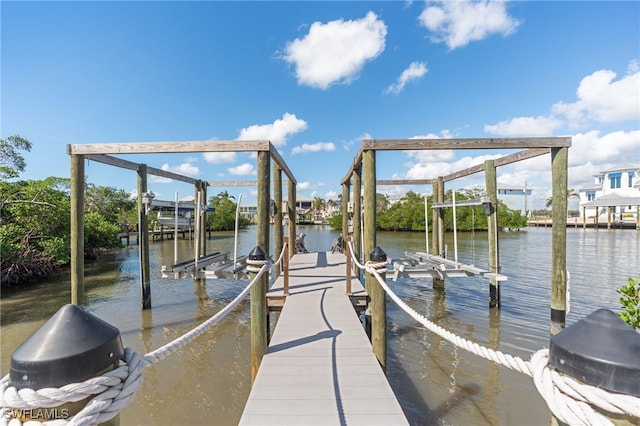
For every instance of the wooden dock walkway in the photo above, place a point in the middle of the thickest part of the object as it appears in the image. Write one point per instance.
(319, 368)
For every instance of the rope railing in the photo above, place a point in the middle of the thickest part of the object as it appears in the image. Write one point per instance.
(570, 401)
(114, 389)
(282, 252)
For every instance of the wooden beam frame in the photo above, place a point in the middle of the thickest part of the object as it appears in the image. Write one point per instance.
(174, 147)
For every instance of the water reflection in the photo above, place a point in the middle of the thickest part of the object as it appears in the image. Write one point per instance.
(208, 382)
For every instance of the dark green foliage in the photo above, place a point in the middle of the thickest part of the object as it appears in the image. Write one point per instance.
(224, 217)
(99, 233)
(630, 301)
(335, 222)
(34, 236)
(11, 161)
(112, 203)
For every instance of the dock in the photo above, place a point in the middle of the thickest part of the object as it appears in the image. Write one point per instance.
(319, 367)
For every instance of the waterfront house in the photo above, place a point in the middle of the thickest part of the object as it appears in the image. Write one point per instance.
(515, 197)
(614, 196)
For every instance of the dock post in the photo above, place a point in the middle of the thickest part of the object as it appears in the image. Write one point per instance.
(71, 347)
(277, 216)
(559, 164)
(77, 229)
(378, 312)
(369, 223)
(143, 239)
(600, 350)
(357, 215)
(349, 271)
(293, 216)
(492, 232)
(259, 315)
(440, 218)
(345, 210)
(285, 269)
(435, 198)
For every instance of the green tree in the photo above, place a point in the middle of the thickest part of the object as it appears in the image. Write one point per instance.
(407, 214)
(224, 216)
(570, 193)
(11, 161)
(112, 203)
(34, 236)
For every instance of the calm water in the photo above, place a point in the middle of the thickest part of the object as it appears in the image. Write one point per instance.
(208, 382)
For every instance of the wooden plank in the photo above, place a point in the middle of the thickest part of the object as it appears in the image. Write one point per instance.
(405, 182)
(501, 161)
(469, 143)
(275, 156)
(319, 367)
(172, 147)
(130, 165)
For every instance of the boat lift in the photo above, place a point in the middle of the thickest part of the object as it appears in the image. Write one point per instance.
(424, 264)
(213, 265)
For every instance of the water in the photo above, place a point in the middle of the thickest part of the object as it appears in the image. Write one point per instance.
(208, 382)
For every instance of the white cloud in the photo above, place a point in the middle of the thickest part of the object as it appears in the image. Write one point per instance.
(604, 100)
(414, 72)
(430, 156)
(335, 52)
(219, 157)
(184, 169)
(278, 132)
(432, 170)
(457, 23)
(331, 195)
(525, 126)
(614, 148)
(315, 147)
(242, 170)
(303, 186)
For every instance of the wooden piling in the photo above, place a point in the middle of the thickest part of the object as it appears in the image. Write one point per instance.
(143, 238)
(357, 215)
(492, 232)
(77, 229)
(377, 297)
(349, 271)
(277, 216)
(259, 311)
(559, 165)
(435, 198)
(345, 210)
(293, 216)
(285, 269)
(440, 218)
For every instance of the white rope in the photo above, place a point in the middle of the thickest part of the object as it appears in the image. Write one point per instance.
(358, 264)
(570, 401)
(279, 261)
(114, 389)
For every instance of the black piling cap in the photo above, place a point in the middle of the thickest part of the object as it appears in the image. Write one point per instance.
(601, 350)
(257, 254)
(378, 255)
(72, 346)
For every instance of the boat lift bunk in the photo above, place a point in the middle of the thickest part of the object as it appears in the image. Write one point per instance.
(424, 264)
(213, 265)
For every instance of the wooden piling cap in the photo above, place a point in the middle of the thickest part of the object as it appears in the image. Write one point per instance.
(72, 346)
(601, 350)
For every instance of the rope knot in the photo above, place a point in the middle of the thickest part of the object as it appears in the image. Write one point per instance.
(256, 265)
(377, 267)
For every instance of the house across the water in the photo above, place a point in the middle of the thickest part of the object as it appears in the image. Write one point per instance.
(614, 198)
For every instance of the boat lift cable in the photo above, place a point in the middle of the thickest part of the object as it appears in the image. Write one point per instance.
(115, 389)
(570, 401)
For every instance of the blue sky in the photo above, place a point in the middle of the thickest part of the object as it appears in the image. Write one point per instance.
(316, 78)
